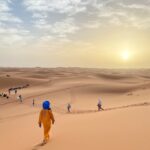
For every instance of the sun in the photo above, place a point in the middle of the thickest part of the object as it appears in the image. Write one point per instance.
(125, 55)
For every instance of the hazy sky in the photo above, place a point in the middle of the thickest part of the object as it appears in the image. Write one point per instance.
(85, 33)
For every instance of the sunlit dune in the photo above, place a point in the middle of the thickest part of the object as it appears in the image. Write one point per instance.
(124, 96)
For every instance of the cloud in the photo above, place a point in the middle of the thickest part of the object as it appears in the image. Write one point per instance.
(96, 13)
(73, 26)
(137, 14)
(61, 6)
(65, 27)
(62, 19)
(14, 36)
(121, 13)
(42, 10)
(6, 14)
(8, 17)
(42, 24)
(11, 30)
(135, 6)
(92, 24)
(3, 6)
(59, 29)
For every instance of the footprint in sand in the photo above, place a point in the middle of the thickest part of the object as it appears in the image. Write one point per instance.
(130, 94)
(36, 147)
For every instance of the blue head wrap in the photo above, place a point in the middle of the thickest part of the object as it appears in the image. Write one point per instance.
(46, 105)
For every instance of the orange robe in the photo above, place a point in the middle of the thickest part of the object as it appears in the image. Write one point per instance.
(46, 118)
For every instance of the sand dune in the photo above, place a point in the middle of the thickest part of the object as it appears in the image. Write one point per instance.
(122, 125)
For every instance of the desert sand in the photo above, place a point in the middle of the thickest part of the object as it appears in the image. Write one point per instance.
(123, 125)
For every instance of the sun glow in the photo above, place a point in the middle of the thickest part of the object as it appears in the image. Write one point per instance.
(125, 55)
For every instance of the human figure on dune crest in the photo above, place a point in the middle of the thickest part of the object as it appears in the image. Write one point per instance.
(33, 102)
(15, 91)
(46, 118)
(20, 98)
(99, 105)
(9, 91)
(68, 107)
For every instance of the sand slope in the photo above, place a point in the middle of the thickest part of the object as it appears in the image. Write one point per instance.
(123, 125)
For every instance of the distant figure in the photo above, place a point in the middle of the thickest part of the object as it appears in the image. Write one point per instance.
(4, 95)
(69, 107)
(20, 98)
(9, 90)
(99, 105)
(46, 118)
(33, 102)
(15, 91)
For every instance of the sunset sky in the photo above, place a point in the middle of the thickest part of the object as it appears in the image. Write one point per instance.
(75, 33)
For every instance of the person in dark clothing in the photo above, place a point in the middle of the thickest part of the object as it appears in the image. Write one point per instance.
(69, 107)
(99, 105)
(9, 90)
(33, 102)
(15, 91)
(20, 98)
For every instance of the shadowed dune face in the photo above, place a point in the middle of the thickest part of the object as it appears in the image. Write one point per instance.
(97, 80)
(113, 76)
(10, 82)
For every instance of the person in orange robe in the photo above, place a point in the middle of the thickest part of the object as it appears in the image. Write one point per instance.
(46, 118)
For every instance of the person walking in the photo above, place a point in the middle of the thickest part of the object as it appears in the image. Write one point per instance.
(99, 105)
(20, 98)
(69, 107)
(46, 118)
(33, 102)
(15, 91)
